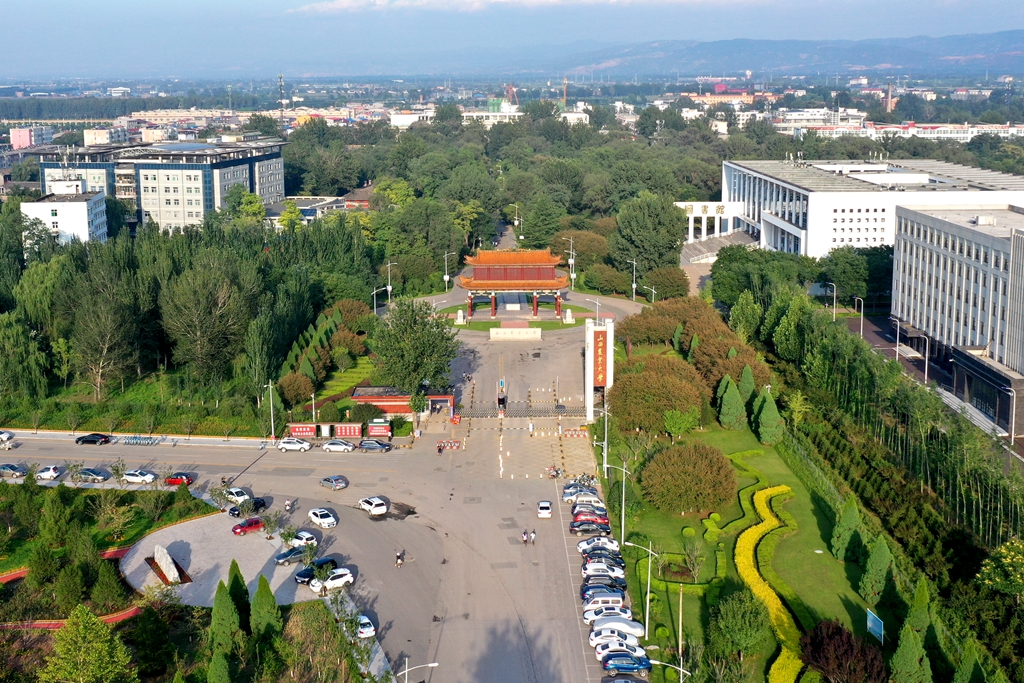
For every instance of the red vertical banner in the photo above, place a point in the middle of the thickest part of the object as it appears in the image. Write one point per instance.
(600, 358)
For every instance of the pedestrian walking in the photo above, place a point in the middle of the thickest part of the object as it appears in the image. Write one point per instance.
(440, 448)
(398, 559)
(526, 537)
(533, 537)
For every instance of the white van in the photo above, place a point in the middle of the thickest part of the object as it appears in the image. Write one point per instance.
(605, 600)
(588, 499)
(629, 626)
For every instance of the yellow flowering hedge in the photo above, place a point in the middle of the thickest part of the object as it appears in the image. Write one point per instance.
(787, 666)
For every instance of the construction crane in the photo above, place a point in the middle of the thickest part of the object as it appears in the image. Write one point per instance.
(281, 101)
(510, 90)
(565, 92)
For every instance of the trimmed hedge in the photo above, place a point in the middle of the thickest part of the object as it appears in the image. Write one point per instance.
(765, 552)
(712, 531)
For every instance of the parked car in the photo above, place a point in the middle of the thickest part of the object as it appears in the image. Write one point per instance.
(323, 518)
(601, 569)
(302, 538)
(619, 624)
(544, 509)
(374, 445)
(598, 542)
(339, 578)
(179, 478)
(290, 443)
(138, 477)
(289, 556)
(48, 473)
(374, 506)
(334, 482)
(366, 629)
(590, 590)
(587, 507)
(615, 582)
(251, 524)
(571, 495)
(6, 435)
(604, 649)
(590, 616)
(93, 439)
(625, 663)
(92, 475)
(590, 517)
(609, 635)
(236, 495)
(338, 446)
(306, 574)
(601, 555)
(258, 506)
(588, 527)
(10, 470)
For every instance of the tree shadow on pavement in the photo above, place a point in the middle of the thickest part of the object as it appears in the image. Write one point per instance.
(509, 654)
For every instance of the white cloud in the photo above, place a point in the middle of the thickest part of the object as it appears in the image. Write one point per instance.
(335, 6)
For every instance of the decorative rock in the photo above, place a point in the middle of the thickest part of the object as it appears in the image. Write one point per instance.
(166, 564)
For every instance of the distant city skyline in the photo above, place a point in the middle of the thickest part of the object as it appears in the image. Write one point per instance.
(257, 38)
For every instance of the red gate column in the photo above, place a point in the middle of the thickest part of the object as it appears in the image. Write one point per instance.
(536, 298)
(558, 305)
(469, 307)
(494, 306)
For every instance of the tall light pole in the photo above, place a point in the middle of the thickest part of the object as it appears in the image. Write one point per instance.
(927, 357)
(653, 293)
(572, 263)
(446, 278)
(598, 314)
(622, 510)
(855, 300)
(634, 277)
(1013, 414)
(515, 223)
(405, 674)
(897, 321)
(604, 446)
(833, 298)
(314, 412)
(390, 263)
(273, 432)
(375, 299)
(650, 554)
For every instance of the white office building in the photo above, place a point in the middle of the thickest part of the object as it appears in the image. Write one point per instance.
(70, 212)
(812, 207)
(958, 293)
(105, 136)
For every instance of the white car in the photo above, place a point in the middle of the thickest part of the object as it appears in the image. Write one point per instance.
(303, 538)
(374, 506)
(323, 518)
(237, 496)
(366, 628)
(544, 509)
(610, 635)
(618, 624)
(48, 473)
(618, 646)
(590, 616)
(339, 577)
(290, 443)
(598, 542)
(138, 477)
(338, 445)
(601, 569)
(5, 435)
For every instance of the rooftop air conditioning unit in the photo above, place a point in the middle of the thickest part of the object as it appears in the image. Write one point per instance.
(984, 220)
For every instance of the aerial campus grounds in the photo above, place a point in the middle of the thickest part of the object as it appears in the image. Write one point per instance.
(470, 594)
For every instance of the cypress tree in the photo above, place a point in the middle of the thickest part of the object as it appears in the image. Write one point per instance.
(153, 651)
(746, 386)
(694, 344)
(218, 671)
(769, 425)
(107, 592)
(239, 594)
(178, 678)
(54, 521)
(968, 671)
(722, 386)
(42, 565)
(846, 526)
(910, 663)
(677, 337)
(265, 619)
(876, 572)
(69, 589)
(224, 630)
(918, 618)
(732, 414)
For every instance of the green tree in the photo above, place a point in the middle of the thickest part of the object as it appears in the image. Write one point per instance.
(745, 316)
(747, 386)
(679, 422)
(692, 351)
(264, 124)
(225, 632)
(543, 221)
(650, 230)
(919, 619)
(218, 671)
(846, 526)
(731, 413)
(968, 670)
(677, 338)
(238, 591)
(42, 565)
(291, 218)
(910, 662)
(689, 477)
(70, 588)
(22, 364)
(265, 620)
(723, 385)
(669, 282)
(876, 572)
(770, 428)
(105, 327)
(107, 592)
(847, 268)
(54, 520)
(153, 650)
(86, 650)
(1004, 569)
(739, 624)
(414, 347)
(797, 407)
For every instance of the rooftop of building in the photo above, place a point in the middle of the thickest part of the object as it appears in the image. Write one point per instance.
(995, 220)
(875, 176)
(64, 198)
(517, 257)
(136, 150)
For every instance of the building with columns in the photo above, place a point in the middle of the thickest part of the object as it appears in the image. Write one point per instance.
(711, 219)
(812, 207)
(523, 272)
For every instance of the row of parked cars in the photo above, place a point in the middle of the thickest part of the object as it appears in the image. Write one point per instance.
(291, 443)
(614, 633)
(95, 475)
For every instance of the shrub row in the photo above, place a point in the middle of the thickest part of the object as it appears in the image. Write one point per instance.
(765, 553)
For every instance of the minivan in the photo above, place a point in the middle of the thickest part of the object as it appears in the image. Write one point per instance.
(604, 600)
(589, 499)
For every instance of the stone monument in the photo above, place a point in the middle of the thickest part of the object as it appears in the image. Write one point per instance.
(460, 317)
(567, 318)
(166, 564)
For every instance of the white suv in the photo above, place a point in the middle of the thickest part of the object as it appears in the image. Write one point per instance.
(374, 506)
(292, 444)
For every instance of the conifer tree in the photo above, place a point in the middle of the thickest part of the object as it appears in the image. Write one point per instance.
(265, 619)
(107, 592)
(732, 414)
(910, 663)
(876, 572)
(722, 386)
(69, 589)
(239, 594)
(968, 670)
(746, 386)
(87, 650)
(178, 678)
(770, 429)
(218, 672)
(54, 520)
(224, 633)
(677, 338)
(694, 344)
(42, 565)
(846, 526)
(918, 618)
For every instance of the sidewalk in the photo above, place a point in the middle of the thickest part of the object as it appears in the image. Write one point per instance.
(167, 440)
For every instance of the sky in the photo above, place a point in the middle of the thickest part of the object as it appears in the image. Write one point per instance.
(258, 38)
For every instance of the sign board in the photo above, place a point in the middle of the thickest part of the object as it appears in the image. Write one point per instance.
(876, 627)
(378, 427)
(600, 358)
(302, 430)
(350, 429)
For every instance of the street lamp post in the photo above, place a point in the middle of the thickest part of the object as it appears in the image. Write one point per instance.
(1013, 414)
(897, 321)
(572, 263)
(833, 298)
(677, 668)
(855, 300)
(375, 299)
(390, 263)
(604, 446)
(653, 293)
(927, 357)
(515, 222)
(634, 277)
(622, 510)
(273, 432)
(598, 314)
(647, 607)
(314, 410)
(446, 278)
(405, 674)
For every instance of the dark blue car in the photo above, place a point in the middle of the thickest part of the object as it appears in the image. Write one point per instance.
(609, 557)
(306, 574)
(580, 528)
(616, 663)
(589, 591)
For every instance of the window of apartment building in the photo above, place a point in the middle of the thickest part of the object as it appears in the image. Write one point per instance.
(177, 202)
(53, 225)
(53, 212)
(167, 190)
(167, 202)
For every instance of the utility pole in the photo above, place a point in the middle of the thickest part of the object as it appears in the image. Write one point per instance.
(634, 277)
(653, 293)
(572, 263)
(390, 263)
(273, 432)
(446, 278)
(833, 299)
(280, 101)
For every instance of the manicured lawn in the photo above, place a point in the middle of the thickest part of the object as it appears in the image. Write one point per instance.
(340, 382)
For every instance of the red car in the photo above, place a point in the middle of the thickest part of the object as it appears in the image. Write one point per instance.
(251, 524)
(590, 517)
(179, 478)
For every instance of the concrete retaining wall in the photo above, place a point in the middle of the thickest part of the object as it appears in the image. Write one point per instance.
(514, 333)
